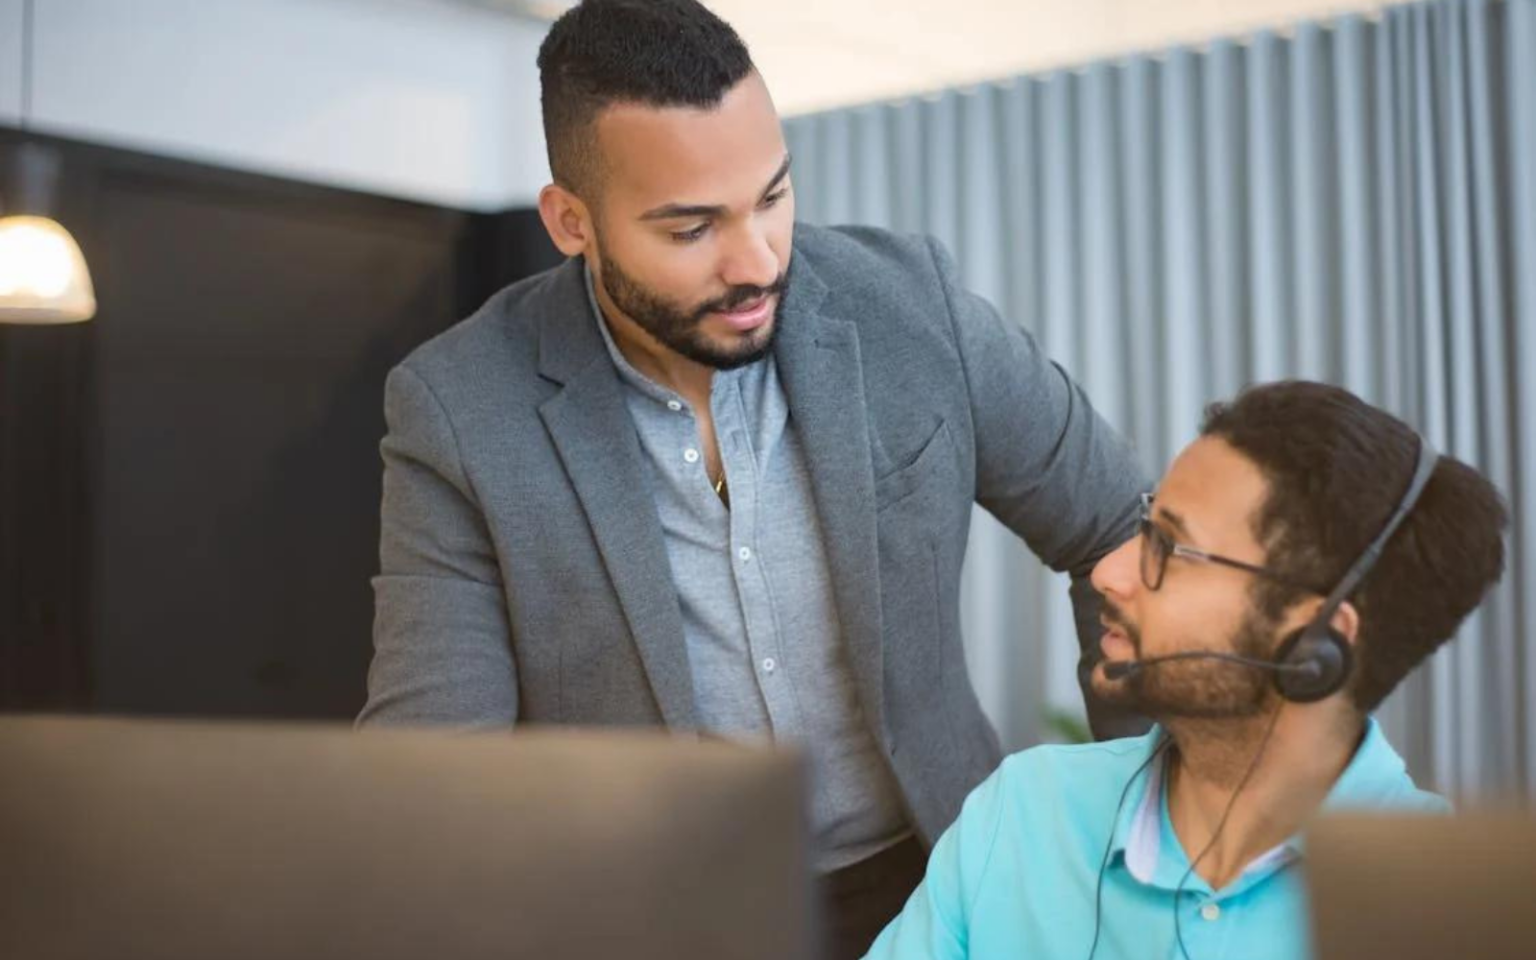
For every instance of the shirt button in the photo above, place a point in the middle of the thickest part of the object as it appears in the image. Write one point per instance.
(691, 455)
(745, 553)
(674, 406)
(769, 665)
(1210, 911)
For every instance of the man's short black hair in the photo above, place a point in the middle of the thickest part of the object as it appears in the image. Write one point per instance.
(1336, 468)
(659, 53)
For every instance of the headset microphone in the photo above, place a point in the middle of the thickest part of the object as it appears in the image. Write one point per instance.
(1121, 669)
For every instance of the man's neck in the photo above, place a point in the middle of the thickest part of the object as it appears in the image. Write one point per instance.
(1302, 758)
(653, 359)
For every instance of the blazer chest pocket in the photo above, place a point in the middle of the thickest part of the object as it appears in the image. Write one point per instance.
(901, 483)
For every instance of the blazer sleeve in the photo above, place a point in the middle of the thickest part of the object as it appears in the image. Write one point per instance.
(1047, 465)
(441, 638)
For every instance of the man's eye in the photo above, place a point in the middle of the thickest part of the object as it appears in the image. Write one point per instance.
(773, 198)
(688, 236)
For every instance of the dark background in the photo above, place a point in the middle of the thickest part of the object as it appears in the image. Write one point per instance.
(189, 483)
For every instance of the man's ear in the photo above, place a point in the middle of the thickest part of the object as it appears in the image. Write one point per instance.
(567, 219)
(1346, 621)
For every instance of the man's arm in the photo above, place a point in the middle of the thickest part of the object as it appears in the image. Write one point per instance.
(935, 923)
(1047, 465)
(442, 645)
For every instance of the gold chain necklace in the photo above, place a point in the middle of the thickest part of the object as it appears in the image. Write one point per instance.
(719, 485)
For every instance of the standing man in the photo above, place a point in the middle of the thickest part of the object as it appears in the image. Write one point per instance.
(716, 471)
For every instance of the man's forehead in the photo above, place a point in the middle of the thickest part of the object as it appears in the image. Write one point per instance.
(686, 154)
(1214, 491)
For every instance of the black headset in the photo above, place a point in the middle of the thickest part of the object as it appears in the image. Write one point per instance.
(1315, 661)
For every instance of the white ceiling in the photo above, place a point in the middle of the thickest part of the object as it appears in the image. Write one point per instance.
(818, 54)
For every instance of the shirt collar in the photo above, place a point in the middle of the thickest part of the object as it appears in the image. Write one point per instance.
(1137, 823)
(1375, 778)
(1145, 839)
(1376, 775)
(627, 372)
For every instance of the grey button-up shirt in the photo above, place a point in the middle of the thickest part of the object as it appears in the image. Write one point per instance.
(759, 618)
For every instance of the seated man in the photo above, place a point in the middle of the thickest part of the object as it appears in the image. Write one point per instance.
(1299, 559)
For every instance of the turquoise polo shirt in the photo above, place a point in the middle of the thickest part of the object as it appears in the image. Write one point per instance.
(1015, 876)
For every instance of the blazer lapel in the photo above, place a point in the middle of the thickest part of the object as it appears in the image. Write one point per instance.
(595, 437)
(820, 369)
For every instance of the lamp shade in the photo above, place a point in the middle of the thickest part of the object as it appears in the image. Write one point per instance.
(43, 277)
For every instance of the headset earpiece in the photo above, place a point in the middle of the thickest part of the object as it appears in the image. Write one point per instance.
(1318, 660)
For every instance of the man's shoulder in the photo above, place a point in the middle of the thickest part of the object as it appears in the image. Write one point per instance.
(502, 332)
(1083, 776)
(1377, 778)
(857, 252)
(894, 287)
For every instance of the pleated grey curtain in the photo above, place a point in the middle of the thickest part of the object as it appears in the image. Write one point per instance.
(1352, 201)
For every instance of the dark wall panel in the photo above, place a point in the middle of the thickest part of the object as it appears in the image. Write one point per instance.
(44, 524)
(227, 413)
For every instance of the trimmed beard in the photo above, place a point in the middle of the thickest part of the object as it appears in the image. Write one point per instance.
(1199, 689)
(678, 328)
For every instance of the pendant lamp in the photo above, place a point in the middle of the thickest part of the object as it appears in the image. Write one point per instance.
(43, 276)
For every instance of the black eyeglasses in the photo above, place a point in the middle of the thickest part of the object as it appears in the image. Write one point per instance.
(1157, 546)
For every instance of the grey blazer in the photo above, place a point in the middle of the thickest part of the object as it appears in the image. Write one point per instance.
(524, 578)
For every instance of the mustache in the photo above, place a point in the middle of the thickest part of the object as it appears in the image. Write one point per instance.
(736, 296)
(1111, 616)
(1114, 618)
